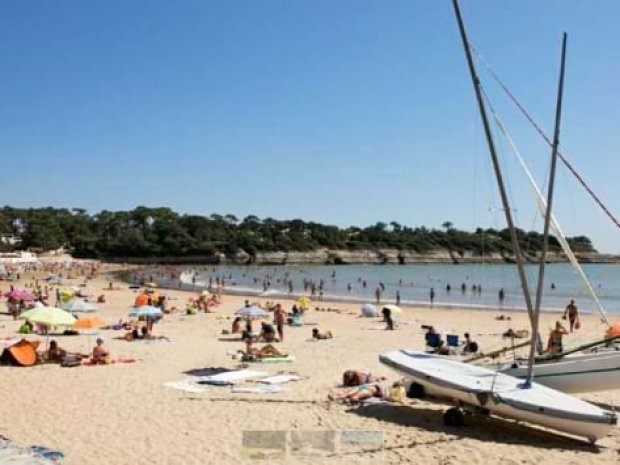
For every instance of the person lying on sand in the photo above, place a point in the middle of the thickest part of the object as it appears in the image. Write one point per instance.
(318, 335)
(56, 354)
(359, 393)
(356, 378)
(266, 351)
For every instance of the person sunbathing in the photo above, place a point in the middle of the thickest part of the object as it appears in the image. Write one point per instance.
(236, 326)
(57, 354)
(357, 378)
(318, 335)
(101, 354)
(147, 334)
(264, 352)
(359, 393)
(267, 333)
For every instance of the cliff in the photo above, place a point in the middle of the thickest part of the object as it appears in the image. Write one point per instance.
(363, 257)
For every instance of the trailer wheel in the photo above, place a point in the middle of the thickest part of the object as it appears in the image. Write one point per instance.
(454, 417)
(416, 391)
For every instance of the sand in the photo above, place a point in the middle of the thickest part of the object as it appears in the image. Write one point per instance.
(123, 414)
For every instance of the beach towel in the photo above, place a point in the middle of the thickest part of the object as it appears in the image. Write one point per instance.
(268, 389)
(207, 371)
(230, 377)
(116, 361)
(280, 379)
(285, 359)
(187, 385)
(11, 453)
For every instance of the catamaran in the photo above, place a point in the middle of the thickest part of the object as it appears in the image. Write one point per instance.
(497, 392)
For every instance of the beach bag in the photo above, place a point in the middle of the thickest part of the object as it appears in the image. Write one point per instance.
(577, 324)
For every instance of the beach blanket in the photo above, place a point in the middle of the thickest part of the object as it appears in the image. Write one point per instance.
(207, 371)
(230, 377)
(187, 385)
(285, 359)
(90, 363)
(11, 453)
(268, 389)
(280, 379)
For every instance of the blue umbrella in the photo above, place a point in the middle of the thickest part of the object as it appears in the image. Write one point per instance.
(253, 312)
(145, 310)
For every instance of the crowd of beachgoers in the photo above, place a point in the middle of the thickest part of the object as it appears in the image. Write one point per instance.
(256, 363)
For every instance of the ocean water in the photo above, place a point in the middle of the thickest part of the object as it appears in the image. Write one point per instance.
(414, 282)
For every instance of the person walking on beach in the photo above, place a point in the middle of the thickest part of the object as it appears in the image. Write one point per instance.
(280, 317)
(573, 316)
(432, 295)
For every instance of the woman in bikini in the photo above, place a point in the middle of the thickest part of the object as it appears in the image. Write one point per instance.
(359, 393)
(554, 345)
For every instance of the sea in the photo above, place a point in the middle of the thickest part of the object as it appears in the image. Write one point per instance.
(467, 286)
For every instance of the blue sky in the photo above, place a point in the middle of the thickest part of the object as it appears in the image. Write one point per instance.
(343, 112)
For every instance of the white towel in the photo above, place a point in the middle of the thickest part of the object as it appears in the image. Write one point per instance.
(269, 389)
(280, 379)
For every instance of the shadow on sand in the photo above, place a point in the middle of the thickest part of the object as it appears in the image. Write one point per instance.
(479, 427)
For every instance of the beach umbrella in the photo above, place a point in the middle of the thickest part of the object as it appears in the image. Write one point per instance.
(303, 302)
(252, 312)
(369, 311)
(393, 308)
(146, 311)
(66, 294)
(79, 305)
(90, 322)
(19, 294)
(48, 316)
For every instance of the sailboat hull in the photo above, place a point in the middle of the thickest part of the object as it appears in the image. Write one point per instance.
(501, 394)
(574, 373)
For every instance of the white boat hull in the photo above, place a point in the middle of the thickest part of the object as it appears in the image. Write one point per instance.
(574, 373)
(501, 394)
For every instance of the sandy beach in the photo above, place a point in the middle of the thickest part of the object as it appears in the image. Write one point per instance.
(123, 414)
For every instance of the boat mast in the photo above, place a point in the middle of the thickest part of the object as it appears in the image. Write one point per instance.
(497, 169)
(543, 255)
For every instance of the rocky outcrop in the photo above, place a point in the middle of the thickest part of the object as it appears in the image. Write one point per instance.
(365, 257)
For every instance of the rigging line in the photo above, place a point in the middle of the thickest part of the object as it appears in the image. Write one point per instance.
(570, 167)
(542, 205)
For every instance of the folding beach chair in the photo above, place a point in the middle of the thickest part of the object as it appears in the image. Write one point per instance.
(452, 340)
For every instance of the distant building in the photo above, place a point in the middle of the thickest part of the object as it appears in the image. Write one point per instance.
(18, 257)
(10, 239)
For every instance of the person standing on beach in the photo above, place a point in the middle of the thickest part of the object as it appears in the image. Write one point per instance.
(378, 295)
(573, 316)
(501, 296)
(432, 295)
(397, 297)
(280, 317)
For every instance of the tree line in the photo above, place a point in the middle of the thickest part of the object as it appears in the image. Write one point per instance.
(152, 232)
